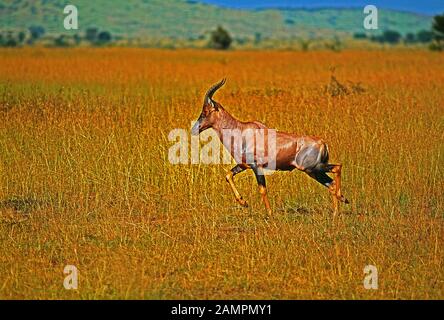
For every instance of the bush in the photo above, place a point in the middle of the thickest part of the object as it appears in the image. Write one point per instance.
(36, 32)
(104, 37)
(438, 27)
(410, 38)
(379, 39)
(11, 42)
(91, 34)
(334, 45)
(77, 39)
(438, 33)
(257, 38)
(435, 46)
(391, 36)
(220, 39)
(360, 35)
(305, 44)
(424, 36)
(61, 41)
(21, 36)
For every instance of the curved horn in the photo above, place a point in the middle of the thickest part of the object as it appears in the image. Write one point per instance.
(213, 89)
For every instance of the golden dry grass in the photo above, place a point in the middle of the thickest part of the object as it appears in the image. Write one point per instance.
(84, 176)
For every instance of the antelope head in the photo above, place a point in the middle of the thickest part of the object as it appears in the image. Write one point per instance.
(210, 111)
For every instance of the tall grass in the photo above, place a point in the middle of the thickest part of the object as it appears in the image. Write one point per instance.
(84, 176)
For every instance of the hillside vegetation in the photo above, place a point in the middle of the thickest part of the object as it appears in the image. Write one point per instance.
(191, 19)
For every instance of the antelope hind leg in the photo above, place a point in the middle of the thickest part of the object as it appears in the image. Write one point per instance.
(260, 177)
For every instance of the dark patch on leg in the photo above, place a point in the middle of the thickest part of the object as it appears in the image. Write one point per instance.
(260, 177)
(322, 178)
(237, 169)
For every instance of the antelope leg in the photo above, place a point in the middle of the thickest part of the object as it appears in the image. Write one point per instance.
(229, 177)
(260, 177)
(333, 185)
(336, 170)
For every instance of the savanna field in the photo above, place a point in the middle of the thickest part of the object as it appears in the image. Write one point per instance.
(85, 178)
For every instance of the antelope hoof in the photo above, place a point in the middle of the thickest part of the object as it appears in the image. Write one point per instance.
(341, 198)
(242, 202)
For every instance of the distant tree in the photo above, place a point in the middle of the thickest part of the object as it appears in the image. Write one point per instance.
(334, 45)
(2, 40)
(10, 40)
(21, 36)
(378, 38)
(435, 46)
(91, 34)
(36, 32)
(305, 44)
(391, 36)
(424, 36)
(410, 38)
(241, 41)
(77, 39)
(360, 35)
(104, 37)
(220, 39)
(61, 41)
(257, 37)
(438, 27)
(438, 33)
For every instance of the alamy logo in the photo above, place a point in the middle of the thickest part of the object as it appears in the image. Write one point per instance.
(246, 146)
(71, 281)
(71, 21)
(371, 278)
(371, 20)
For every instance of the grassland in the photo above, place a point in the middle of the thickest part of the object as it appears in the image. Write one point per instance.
(84, 176)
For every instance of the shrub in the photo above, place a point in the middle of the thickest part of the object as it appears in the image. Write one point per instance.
(104, 37)
(220, 39)
(91, 34)
(410, 38)
(360, 35)
(61, 41)
(21, 36)
(36, 32)
(435, 46)
(424, 36)
(438, 27)
(391, 36)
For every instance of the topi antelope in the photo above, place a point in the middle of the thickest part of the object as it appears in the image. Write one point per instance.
(284, 151)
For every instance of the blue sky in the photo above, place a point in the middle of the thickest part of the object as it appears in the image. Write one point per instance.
(423, 6)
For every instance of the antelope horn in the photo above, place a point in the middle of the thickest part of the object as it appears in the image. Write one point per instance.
(213, 89)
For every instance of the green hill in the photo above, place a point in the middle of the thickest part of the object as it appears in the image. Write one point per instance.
(190, 19)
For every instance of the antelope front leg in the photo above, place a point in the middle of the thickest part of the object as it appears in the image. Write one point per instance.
(336, 188)
(229, 177)
(260, 177)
